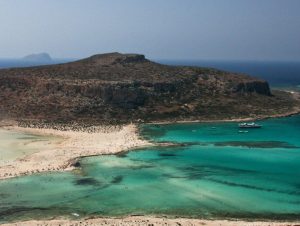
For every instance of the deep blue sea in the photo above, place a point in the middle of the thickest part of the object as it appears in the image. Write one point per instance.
(278, 74)
(13, 63)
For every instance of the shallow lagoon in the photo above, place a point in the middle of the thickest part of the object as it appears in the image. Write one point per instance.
(215, 172)
(14, 145)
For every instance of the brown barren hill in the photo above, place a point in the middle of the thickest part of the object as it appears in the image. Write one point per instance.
(114, 87)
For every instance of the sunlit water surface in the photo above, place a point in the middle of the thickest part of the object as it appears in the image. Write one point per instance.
(214, 172)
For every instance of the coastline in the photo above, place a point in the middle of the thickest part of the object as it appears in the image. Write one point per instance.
(294, 111)
(103, 140)
(288, 114)
(107, 140)
(71, 145)
(151, 221)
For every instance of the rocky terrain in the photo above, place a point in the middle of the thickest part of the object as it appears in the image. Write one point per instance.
(120, 88)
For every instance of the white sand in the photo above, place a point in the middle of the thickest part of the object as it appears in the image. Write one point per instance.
(149, 221)
(71, 145)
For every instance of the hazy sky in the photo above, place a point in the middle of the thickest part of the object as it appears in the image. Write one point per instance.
(169, 29)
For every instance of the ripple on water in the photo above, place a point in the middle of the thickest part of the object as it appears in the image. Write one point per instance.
(211, 174)
(256, 144)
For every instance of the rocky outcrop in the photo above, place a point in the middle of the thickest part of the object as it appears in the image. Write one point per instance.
(128, 87)
(260, 87)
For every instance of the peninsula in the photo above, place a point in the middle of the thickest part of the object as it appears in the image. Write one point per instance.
(121, 88)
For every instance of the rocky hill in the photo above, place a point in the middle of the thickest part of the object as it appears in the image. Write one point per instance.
(118, 87)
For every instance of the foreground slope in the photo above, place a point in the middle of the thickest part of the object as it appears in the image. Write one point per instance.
(118, 87)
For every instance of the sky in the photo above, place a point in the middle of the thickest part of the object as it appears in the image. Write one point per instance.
(160, 29)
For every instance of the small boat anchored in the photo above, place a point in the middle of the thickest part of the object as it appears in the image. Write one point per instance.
(249, 125)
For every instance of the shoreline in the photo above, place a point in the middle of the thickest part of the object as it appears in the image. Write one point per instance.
(295, 111)
(113, 141)
(63, 152)
(288, 114)
(73, 145)
(151, 221)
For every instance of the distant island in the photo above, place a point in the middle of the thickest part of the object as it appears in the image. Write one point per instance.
(121, 88)
(39, 57)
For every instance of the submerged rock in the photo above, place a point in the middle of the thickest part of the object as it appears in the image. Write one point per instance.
(76, 164)
(117, 179)
(256, 144)
(87, 181)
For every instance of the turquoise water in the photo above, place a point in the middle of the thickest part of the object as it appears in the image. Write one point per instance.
(214, 172)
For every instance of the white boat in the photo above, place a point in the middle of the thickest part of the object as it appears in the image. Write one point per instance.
(249, 125)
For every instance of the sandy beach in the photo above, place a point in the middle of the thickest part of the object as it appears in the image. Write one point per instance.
(150, 221)
(60, 154)
(150, 113)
